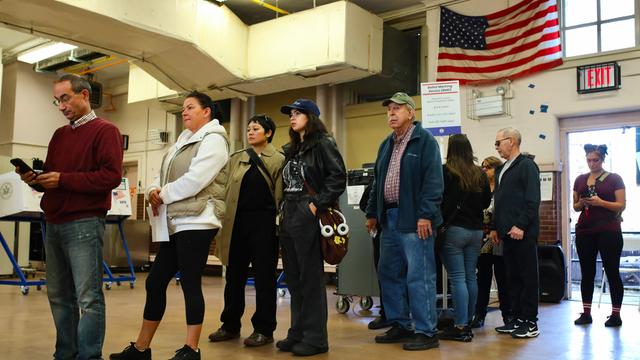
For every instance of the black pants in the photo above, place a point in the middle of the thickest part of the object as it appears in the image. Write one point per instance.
(609, 245)
(521, 267)
(253, 242)
(304, 273)
(187, 252)
(489, 264)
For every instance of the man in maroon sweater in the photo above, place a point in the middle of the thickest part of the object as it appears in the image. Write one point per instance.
(84, 163)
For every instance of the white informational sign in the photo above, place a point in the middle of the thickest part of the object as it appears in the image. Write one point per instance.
(121, 200)
(354, 194)
(546, 186)
(441, 113)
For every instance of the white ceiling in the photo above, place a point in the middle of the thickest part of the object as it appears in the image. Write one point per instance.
(10, 38)
(248, 11)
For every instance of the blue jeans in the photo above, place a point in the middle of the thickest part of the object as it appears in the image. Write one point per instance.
(460, 251)
(74, 287)
(407, 274)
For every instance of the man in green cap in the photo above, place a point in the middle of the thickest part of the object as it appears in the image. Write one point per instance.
(408, 159)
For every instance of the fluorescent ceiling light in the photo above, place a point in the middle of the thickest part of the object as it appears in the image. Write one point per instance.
(44, 52)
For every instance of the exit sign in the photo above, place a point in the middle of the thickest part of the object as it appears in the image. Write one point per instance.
(598, 77)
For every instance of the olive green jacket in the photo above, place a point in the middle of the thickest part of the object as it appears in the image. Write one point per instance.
(236, 168)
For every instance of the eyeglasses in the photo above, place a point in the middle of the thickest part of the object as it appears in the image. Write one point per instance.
(596, 160)
(64, 99)
(497, 143)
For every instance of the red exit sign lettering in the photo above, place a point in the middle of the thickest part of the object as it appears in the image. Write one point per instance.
(598, 77)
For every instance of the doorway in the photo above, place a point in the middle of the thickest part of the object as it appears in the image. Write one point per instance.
(623, 149)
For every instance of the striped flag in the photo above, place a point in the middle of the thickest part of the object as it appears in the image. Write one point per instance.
(511, 43)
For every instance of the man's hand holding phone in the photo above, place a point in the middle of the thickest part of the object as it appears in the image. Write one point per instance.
(27, 174)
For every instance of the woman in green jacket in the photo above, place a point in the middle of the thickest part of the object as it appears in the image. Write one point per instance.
(253, 193)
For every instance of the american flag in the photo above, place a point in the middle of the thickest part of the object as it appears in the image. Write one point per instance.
(511, 43)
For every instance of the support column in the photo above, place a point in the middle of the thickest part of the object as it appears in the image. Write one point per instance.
(235, 125)
(322, 93)
(248, 110)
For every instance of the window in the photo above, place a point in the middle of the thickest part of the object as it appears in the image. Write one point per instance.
(593, 26)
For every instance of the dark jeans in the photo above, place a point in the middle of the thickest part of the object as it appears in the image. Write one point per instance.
(74, 287)
(488, 265)
(304, 273)
(609, 245)
(407, 271)
(187, 252)
(253, 242)
(521, 266)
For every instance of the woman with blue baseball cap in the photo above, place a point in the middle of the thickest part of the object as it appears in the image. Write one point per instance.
(314, 177)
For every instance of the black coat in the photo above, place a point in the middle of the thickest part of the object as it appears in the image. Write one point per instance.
(517, 198)
(470, 216)
(324, 170)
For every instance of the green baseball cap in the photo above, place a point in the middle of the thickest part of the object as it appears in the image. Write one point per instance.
(400, 98)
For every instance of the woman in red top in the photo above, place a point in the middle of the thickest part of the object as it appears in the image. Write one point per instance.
(600, 197)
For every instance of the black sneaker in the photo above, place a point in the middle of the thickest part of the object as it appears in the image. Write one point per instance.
(286, 344)
(421, 341)
(583, 319)
(477, 322)
(456, 334)
(613, 321)
(527, 329)
(509, 326)
(186, 353)
(378, 323)
(303, 349)
(131, 353)
(394, 335)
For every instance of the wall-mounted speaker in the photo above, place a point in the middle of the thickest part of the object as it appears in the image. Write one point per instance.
(96, 94)
(552, 273)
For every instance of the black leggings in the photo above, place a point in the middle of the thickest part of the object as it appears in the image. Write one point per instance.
(187, 252)
(609, 245)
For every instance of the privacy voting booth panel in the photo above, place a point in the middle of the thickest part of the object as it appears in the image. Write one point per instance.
(16, 197)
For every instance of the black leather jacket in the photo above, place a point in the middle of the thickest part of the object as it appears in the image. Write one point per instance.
(324, 170)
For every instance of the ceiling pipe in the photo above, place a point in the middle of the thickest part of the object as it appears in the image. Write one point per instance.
(76, 67)
(92, 70)
(271, 7)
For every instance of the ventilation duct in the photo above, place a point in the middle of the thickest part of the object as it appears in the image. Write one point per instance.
(84, 55)
(66, 59)
(55, 63)
(330, 44)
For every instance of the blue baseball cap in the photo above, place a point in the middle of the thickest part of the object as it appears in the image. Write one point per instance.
(303, 105)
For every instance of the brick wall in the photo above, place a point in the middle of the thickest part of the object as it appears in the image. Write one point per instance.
(550, 213)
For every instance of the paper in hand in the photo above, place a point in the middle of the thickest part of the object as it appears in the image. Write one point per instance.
(159, 226)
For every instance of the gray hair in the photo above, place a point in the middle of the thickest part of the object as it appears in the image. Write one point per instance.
(78, 83)
(512, 133)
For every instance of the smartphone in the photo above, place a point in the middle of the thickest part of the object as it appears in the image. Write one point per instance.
(24, 168)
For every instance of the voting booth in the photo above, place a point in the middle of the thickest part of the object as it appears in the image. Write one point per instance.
(21, 203)
(18, 203)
